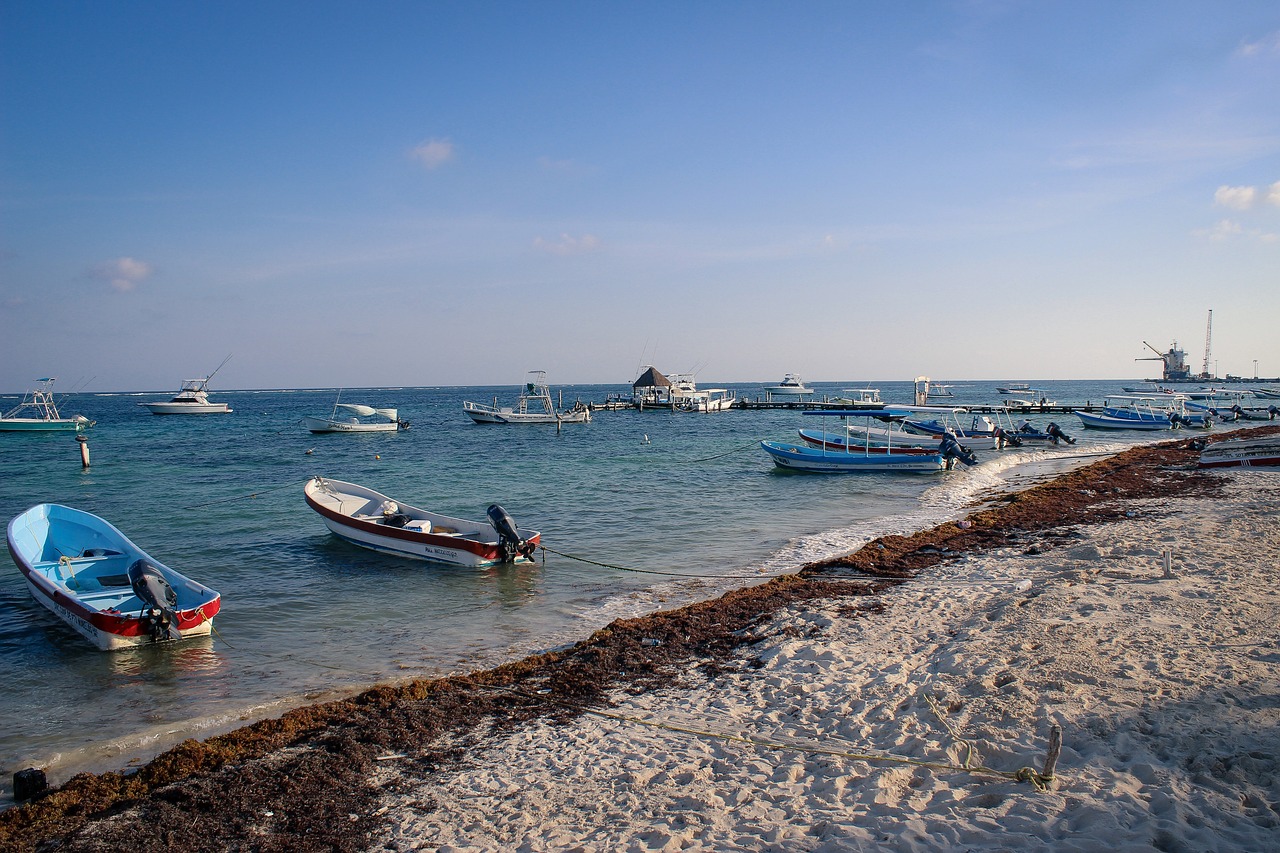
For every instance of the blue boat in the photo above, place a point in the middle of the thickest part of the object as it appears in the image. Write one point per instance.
(1141, 413)
(93, 578)
(841, 456)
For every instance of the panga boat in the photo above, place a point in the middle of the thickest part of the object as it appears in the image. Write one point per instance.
(1141, 413)
(192, 398)
(1260, 452)
(93, 578)
(534, 406)
(372, 520)
(842, 455)
(38, 413)
(377, 420)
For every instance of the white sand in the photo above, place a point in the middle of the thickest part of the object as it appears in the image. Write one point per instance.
(1166, 689)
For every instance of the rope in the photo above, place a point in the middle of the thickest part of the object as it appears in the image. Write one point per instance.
(657, 572)
(1025, 774)
(753, 444)
(242, 497)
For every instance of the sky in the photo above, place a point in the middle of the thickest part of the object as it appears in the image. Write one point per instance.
(346, 194)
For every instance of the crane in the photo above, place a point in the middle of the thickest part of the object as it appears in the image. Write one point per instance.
(1208, 336)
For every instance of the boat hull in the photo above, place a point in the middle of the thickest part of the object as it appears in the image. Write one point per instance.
(89, 592)
(1261, 452)
(817, 460)
(1093, 420)
(352, 513)
(319, 425)
(78, 424)
(187, 408)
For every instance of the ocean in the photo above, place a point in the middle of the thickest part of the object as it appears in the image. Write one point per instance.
(654, 509)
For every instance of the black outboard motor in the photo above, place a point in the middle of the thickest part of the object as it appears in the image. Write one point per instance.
(952, 449)
(1272, 413)
(1055, 432)
(509, 541)
(1005, 438)
(158, 599)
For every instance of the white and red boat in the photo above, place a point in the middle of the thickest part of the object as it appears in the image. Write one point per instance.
(1260, 452)
(93, 578)
(372, 520)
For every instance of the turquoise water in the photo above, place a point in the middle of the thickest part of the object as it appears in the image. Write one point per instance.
(307, 617)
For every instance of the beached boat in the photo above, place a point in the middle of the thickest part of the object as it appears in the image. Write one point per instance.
(355, 417)
(534, 406)
(790, 386)
(834, 458)
(38, 413)
(192, 398)
(1141, 413)
(372, 520)
(1260, 452)
(92, 577)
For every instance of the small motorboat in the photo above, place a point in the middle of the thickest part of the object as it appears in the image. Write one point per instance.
(1261, 452)
(827, 453)
(38, 413)
(1142, 413)
(192, 398)
(790, 386)
(92, 577)
(372, 520)
(357, 418)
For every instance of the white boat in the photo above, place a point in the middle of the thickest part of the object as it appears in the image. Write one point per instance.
(1141, 413)
(860, 398)
(192, 399)
(38, 413)
(790, 386)
(92, 577)
(356, 418)
(372, 520)
(1261, 452)
(1029, 398)
(706, 400)
(533, 406)
(1018, 388)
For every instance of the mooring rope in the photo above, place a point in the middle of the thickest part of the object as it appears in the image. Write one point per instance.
(656, 571)
(1025, 774)
(243, 497)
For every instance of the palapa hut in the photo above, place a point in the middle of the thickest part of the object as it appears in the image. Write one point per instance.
(651, 389)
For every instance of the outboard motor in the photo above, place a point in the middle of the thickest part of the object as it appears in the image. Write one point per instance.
(952, 449)
(158, 599)
(1026, 426)
(1176, 420)
(509, 541)
(1272, 413)
(1055, 432)
(1005, 438)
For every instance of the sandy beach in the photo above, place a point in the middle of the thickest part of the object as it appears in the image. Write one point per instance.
(902, 698)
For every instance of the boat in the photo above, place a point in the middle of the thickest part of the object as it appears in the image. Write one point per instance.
(866, 457)
(108, 589)
(1029, 398)
(1260, 452)
(38, 413)
(1266, 393)
(192, 398)
(374, 419)
(860, 398)
(940, 392)
(372, 520)
(790, 386)
(1141, 413)
(1014, 388)
(998, 428)
(534, 406)
(706, 400)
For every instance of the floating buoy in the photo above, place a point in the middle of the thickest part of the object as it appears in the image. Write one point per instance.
(376, 456)
(645, 440)
(84, 450)
(310, 451)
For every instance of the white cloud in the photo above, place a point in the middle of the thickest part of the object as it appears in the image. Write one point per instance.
(433, 153)
(123, 274)
(567, 244)
(1273, 194)
(1269, 44)
(1236, 198)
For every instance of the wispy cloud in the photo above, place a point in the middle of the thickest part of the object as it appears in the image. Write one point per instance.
(433, 153)
(1268, 45)
(123, 274)
(1236, 198)
(567, 244)
(1229, 229)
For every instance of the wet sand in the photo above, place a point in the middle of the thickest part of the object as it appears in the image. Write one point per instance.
(898, 698)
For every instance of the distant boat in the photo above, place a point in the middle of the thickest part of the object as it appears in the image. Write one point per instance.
(706, 400)
(860, 398)
(38, 413)
(1261, 452)
(533, 406)
(192, 399)
(1013, 388)
(790, 386)
(372, 520)
(1030, 398)
(356, 417)
(92, 577)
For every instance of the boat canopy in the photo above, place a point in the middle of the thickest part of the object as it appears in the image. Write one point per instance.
(362, 411)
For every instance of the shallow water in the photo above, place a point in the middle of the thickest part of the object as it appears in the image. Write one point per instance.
(306, 616)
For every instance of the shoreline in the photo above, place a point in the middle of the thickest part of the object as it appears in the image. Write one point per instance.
(319, 767)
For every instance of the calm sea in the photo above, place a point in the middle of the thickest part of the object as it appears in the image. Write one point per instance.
(307, 617)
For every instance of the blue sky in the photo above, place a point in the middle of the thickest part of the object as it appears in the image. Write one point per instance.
(385, 193)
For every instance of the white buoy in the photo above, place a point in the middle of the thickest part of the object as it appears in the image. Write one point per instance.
(84, 450)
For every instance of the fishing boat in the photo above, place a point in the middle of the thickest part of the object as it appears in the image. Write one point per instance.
(790, 386)
(533, 406)
(356, 417)
(1266, 393)
(192, 398)
(1141, 413)
(860, 398)
(1029, 398)
(92, 577)
(997, 428)
(1014, 388)
(706, 400)
(38, 413)
(372, 520)
(1260, 452)
(852, 457)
